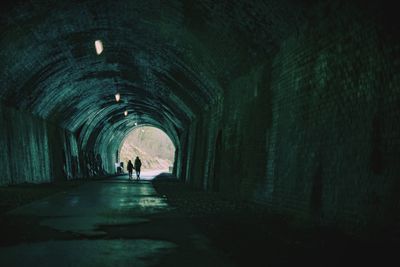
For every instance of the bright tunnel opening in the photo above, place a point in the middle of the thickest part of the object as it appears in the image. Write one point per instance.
(154, 148)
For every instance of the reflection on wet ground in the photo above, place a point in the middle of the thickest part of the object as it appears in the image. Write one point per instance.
(113, 222)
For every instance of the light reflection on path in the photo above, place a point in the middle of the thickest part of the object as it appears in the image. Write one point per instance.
(113, 222)
(83, 209)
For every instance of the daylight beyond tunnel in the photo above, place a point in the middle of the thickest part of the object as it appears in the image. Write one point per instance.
(152, 146)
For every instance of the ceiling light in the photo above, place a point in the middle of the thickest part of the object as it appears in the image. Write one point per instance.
(99, 46)
(117, 97)
(126, 113)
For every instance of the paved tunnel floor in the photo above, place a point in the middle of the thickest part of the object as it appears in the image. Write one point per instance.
(113, 222)
(116, 222)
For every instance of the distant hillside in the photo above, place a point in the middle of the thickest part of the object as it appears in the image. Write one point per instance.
(153, 147)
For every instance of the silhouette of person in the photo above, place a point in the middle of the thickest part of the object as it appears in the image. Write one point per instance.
(129, 166)
(138, 164)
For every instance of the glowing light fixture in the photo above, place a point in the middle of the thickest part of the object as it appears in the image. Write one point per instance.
(126, 113)
(135, 123)
(99, 46)
(117, 97)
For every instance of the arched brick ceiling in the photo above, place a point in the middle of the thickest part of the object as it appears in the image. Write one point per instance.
(168, 59)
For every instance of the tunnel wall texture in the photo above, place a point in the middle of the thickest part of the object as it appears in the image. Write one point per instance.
(314, 134)
(35, 151)
(333, 144)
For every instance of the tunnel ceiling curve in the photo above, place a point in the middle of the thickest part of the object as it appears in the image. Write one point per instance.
(169, 60)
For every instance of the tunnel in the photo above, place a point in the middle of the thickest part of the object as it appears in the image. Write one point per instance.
(292, 106)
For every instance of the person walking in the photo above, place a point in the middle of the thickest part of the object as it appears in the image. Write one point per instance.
(138, 164)
(129, 166)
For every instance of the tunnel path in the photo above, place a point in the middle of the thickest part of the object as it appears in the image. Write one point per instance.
(112, 222)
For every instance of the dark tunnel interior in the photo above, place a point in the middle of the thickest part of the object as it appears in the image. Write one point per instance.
(292, 106)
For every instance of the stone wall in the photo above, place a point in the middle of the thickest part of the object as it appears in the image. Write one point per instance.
(314, 134)
(35, 151)
(334, 144)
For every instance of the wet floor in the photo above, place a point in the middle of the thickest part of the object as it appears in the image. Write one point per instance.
(113, 222)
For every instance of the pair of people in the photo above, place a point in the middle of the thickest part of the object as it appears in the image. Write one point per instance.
(137, 166)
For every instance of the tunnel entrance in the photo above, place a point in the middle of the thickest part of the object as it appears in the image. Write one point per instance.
(154, 148)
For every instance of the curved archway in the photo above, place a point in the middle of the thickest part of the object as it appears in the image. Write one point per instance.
(153, 146)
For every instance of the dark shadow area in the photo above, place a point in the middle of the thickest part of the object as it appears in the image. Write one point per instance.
(247, 232)
(13, 196)
(27, 229)
(165, 177)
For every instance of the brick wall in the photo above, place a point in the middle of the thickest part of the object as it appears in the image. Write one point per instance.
(34, 151)
(315, 133)
(335, 152)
